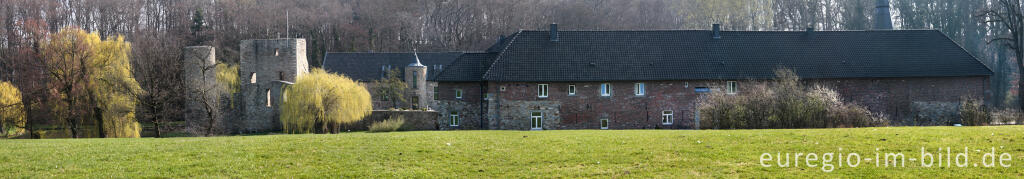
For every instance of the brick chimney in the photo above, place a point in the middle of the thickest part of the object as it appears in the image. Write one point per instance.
(716, 31)
(883, 21)
(554, 32)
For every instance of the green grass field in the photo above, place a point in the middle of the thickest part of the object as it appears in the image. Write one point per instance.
(561, 153)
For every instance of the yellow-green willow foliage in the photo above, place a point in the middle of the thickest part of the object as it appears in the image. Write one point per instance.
(12, 117)
(227, 76)
(113, 86)
(74, 56)
(321, 102)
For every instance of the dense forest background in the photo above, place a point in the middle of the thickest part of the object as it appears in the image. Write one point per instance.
(158, 28)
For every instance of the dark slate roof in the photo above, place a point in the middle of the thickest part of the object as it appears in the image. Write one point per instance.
(694, 54)
(370, 66)
(469, 67)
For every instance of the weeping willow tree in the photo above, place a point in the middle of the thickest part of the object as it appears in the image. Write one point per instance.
(12, 116)
(320, 102)
(94, 81)
(112, 87)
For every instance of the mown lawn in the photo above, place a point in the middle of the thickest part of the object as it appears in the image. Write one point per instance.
(562, 153)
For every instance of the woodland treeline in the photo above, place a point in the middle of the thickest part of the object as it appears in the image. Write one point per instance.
(158, 29)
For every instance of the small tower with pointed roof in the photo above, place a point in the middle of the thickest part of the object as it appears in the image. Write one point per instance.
(416, 78)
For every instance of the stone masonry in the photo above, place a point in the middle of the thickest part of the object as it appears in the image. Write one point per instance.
(200, 79)
(266, 65)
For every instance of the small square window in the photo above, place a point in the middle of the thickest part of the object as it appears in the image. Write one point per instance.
(666, 117)
(730, 87)
(638, 89)
(604, 123)
(542, 90)
(453, 118)
(458, 94)
(572, 90)
(606, 89)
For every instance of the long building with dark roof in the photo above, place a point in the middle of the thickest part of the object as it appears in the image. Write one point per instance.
(654, 79)
(552, 79)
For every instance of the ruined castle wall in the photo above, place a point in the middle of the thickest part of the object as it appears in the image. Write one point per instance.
(266, 65)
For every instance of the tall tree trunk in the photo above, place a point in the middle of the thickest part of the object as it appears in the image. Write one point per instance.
(98, 117)
(156, 127)
(1020, 75)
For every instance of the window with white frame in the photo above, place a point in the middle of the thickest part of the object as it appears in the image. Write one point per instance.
(542, 90)
(730, 87)
(572, 90)
(604, 123)
(458, 94)
(606, 89)
(436, 94)
(453, 119)
(536, 120)
(666, 117)
(638, 89)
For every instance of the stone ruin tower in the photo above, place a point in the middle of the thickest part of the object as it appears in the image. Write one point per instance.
(416, 78)
(200, 79)
(265, 67)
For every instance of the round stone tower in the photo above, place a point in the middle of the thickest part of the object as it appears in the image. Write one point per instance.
(200, 78)
(416, 78)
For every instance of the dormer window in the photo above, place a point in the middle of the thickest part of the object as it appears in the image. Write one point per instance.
(277, 52)
(252, 77)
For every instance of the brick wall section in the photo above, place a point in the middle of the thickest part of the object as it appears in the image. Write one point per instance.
(584, 110)
(414, 120)
(907, 101)
(911, 101)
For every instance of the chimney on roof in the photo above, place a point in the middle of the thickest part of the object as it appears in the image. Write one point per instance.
(554, 32)
(716, 31)
(883, 21)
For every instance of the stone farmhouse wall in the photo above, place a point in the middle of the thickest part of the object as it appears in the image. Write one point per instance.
(906, 101)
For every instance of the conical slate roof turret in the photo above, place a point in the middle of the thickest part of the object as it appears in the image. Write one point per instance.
(417, 64)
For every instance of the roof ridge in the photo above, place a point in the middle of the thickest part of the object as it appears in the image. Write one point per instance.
(500, 54)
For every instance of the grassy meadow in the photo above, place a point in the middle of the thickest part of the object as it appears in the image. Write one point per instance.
(555, 153)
